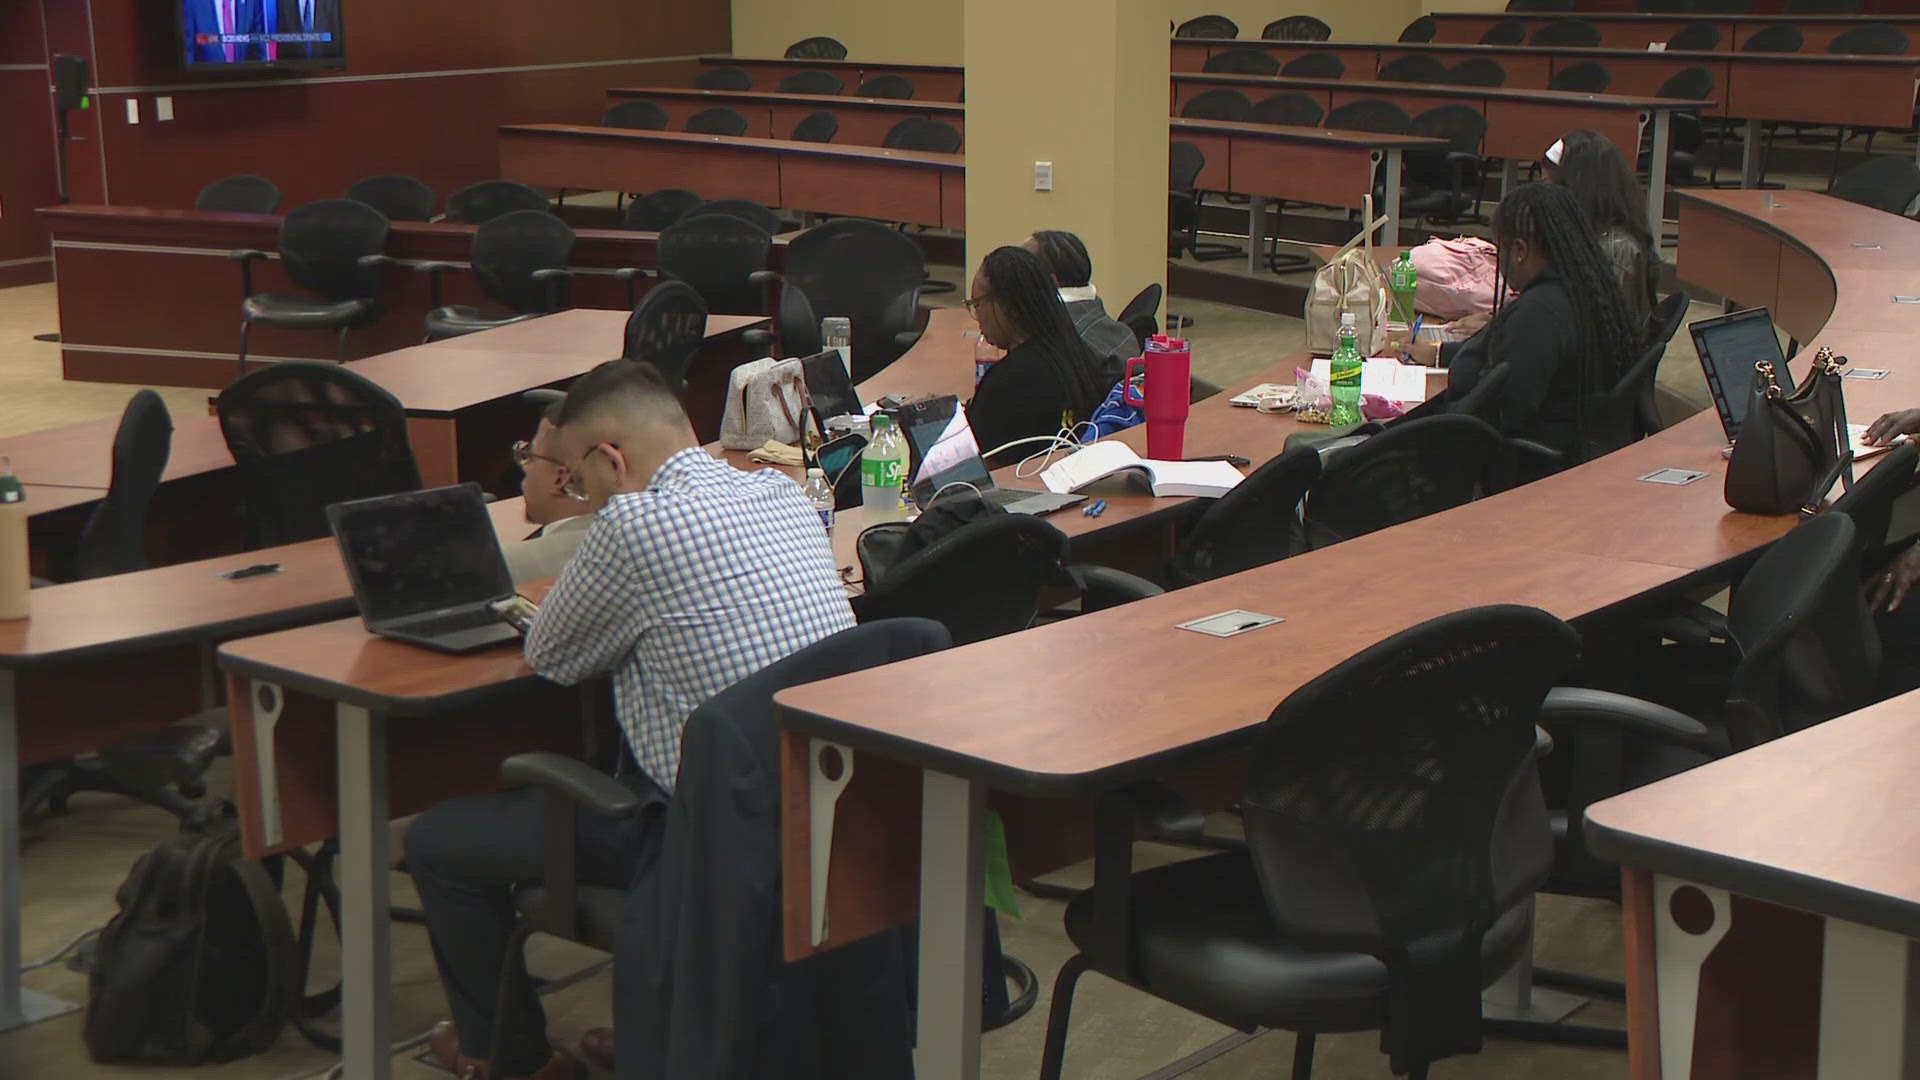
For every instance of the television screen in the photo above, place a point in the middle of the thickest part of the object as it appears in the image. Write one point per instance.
(238, 34)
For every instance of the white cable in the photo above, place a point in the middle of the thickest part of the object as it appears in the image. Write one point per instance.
(1051, 439)
(950, 485)
(62, 953)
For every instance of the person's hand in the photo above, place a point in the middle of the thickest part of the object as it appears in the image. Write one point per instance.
(1883, 430)
(1425, 353)
(1472, 324)
(1890, 589)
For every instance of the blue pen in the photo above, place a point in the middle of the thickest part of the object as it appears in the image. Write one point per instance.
(1099, 507)
(1413, 335)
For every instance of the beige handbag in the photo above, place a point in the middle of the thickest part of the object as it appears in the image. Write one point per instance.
(1351, 281)
(766, 400)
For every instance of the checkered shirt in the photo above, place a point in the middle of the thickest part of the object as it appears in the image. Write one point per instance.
(683, 589)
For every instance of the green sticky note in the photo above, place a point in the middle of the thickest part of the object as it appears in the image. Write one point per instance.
(86, 103)
(1000, 894)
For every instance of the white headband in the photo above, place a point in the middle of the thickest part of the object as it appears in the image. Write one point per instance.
(1553, 152)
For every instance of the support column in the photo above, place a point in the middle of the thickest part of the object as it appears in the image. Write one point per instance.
(1081, 84)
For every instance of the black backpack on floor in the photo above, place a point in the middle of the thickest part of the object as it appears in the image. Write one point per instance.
(199, 964)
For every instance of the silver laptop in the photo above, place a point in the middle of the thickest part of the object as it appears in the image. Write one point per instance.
(426, 567)
(945, 453)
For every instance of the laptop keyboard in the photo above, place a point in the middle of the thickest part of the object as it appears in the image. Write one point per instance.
(451, 623)
(1008, 496)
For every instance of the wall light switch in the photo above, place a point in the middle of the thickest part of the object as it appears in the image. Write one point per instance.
(133, 110)
(1043, 176)
(163, 108)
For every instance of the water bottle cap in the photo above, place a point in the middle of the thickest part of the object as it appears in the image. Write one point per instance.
(1346, 319)
(822, 473)
(881, 421)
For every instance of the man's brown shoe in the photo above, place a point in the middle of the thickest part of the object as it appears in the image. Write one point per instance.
(444, 1044)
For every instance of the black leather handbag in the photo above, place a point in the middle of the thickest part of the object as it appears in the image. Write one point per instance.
(1791, 449)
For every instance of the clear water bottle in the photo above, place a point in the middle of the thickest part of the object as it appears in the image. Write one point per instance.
(1344, 376)
(819, 492)
(883, 472)
(1403, 280)
(836, 332)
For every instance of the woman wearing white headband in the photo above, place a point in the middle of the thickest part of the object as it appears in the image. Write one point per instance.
(1596, 174)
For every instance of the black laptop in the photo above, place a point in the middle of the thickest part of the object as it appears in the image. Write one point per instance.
(944, 453)
(426, 567)
(1729, 346)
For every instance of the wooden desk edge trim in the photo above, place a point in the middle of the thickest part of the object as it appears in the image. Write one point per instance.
(1699, 199)
(383, 704)
(229, 630)
(841, 151)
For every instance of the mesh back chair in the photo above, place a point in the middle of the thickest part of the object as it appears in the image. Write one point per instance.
(1870, 39)
(1477, 71)
(863, 270)
(1256, 523)
(1296, 28)
(1184, 164)
(719, 120)
(1695, 37)
(816, 48)
(1420, 30)
(1370, 114)
(1567, 34)
(1315, 66)
(306, 436)
(637, 115)
(897, 87)
(477, 204)
(1395, 835)
(667, 329)
(1613, 417)
(1444, 184)
(724, 258)
(113, 541)
(1219, 103)
(400, 198)
(335, 249)
(239, 195)
(924, 135)
(1884, 183)
(1822, 7)
(1414, 67)
(1869, 503)
(1139, 314)
(1505, 32)
(1299, 110)
(1242, 62)
(1585, 77)
(1777, 38)
(724, 77)
(818, 127)
(520, 261)
(1415, 467)
(1688, 134)
(1208, 26)
(656, 210)
(745, 209)
(980, 581)
(811, 82)
(1664, 322)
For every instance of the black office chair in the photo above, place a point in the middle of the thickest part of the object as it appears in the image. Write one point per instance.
(334, 249)
(1567, 34)
(1822, 7)
(811, 82)
(1315, 66)
(1869, 39)
(1298, 110)
(1256, 523)
(818, 127)
(400, 198)
(1415, 467)
(1695, 37)
(1443, 186)
(1220, 103)
(1585, 77)
(520, 261)
(656, 210)
(1687, 134)
(722, 256)
(736, 732)
(239, 195)
(1884, 183)
(1395, 835)
(1184, 164)
(1139, 314)
(924, 135)
(637, 114)
(1505, 32)
(745, 209)
(113, 541)
(306, 435)
(1242, 62)
(816, 48)
(897, 87)
(1420, 30)
(718, 120)
(724, 77)
(863, 270)
(1611, 418)
(1369, 114)
(1477, 71)
(1411, 68)
(477, 204)
(1664, 322)
(667, 329)
(1777, 38)
(1296, 28)
(1208, 26)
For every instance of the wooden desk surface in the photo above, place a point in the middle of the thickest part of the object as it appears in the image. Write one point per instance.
(1369, 140)
(81, 454)
(1602, 54)
(1624, 102)
(1826, 820)
(776, 146)
(849, 64)
(1677, 16)
(49, 498)
(768, 97)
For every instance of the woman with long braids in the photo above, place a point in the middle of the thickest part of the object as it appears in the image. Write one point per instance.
(1593, 170)
(1565, 336)
(1049, 378)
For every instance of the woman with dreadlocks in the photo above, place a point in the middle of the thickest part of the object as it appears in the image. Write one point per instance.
(1567, 334)
(1049, 379)
(1590, 167)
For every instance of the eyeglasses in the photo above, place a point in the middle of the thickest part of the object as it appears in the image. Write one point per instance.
(574, 486)
(523, 454)
(972, 303)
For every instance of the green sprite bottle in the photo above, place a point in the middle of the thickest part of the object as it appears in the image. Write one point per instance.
(1344, 377)
(1403, 280)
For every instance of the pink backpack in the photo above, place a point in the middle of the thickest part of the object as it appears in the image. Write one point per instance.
(1456, 276)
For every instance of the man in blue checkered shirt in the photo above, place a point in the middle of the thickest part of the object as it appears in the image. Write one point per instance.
(693, 576)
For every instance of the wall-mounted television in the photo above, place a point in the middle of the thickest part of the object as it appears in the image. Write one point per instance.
(222, 35)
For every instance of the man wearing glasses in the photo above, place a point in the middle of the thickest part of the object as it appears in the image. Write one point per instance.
(562, 515)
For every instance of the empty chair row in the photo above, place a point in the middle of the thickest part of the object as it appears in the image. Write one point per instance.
(396, 197)
(1867, 39)
(1291, 28)
(732, 77)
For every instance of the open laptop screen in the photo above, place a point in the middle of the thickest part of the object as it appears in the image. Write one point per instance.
(944, 450)
(1729, 346)
(420, 551)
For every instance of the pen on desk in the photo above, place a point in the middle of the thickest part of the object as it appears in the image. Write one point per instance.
(1231, 459)
(1099, 507)
(1413, 335)
(1254, 625)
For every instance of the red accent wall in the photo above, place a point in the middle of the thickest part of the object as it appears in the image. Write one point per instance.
(311, 133)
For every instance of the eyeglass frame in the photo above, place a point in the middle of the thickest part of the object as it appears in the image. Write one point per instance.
(523, 453)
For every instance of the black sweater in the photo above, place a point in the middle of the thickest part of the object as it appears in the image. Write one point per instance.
(1021, 396)
(1536, 338)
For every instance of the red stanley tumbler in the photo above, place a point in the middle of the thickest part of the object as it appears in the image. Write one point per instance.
(1169, 365)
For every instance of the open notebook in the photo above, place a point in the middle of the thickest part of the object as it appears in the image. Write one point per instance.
(1090, 464)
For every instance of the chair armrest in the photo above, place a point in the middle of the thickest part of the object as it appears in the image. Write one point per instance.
(1579, 705)
(558, 281)
(627, 275)
(1102, 587)
(1691, 624)
(375, 259)
(582, 784)
(906, 338)
(245, 257)
(1166, 813)
(764, 277)
(437, 268)
(759, 339)
(434, 270)
(1542, 742)
(1538, 451)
